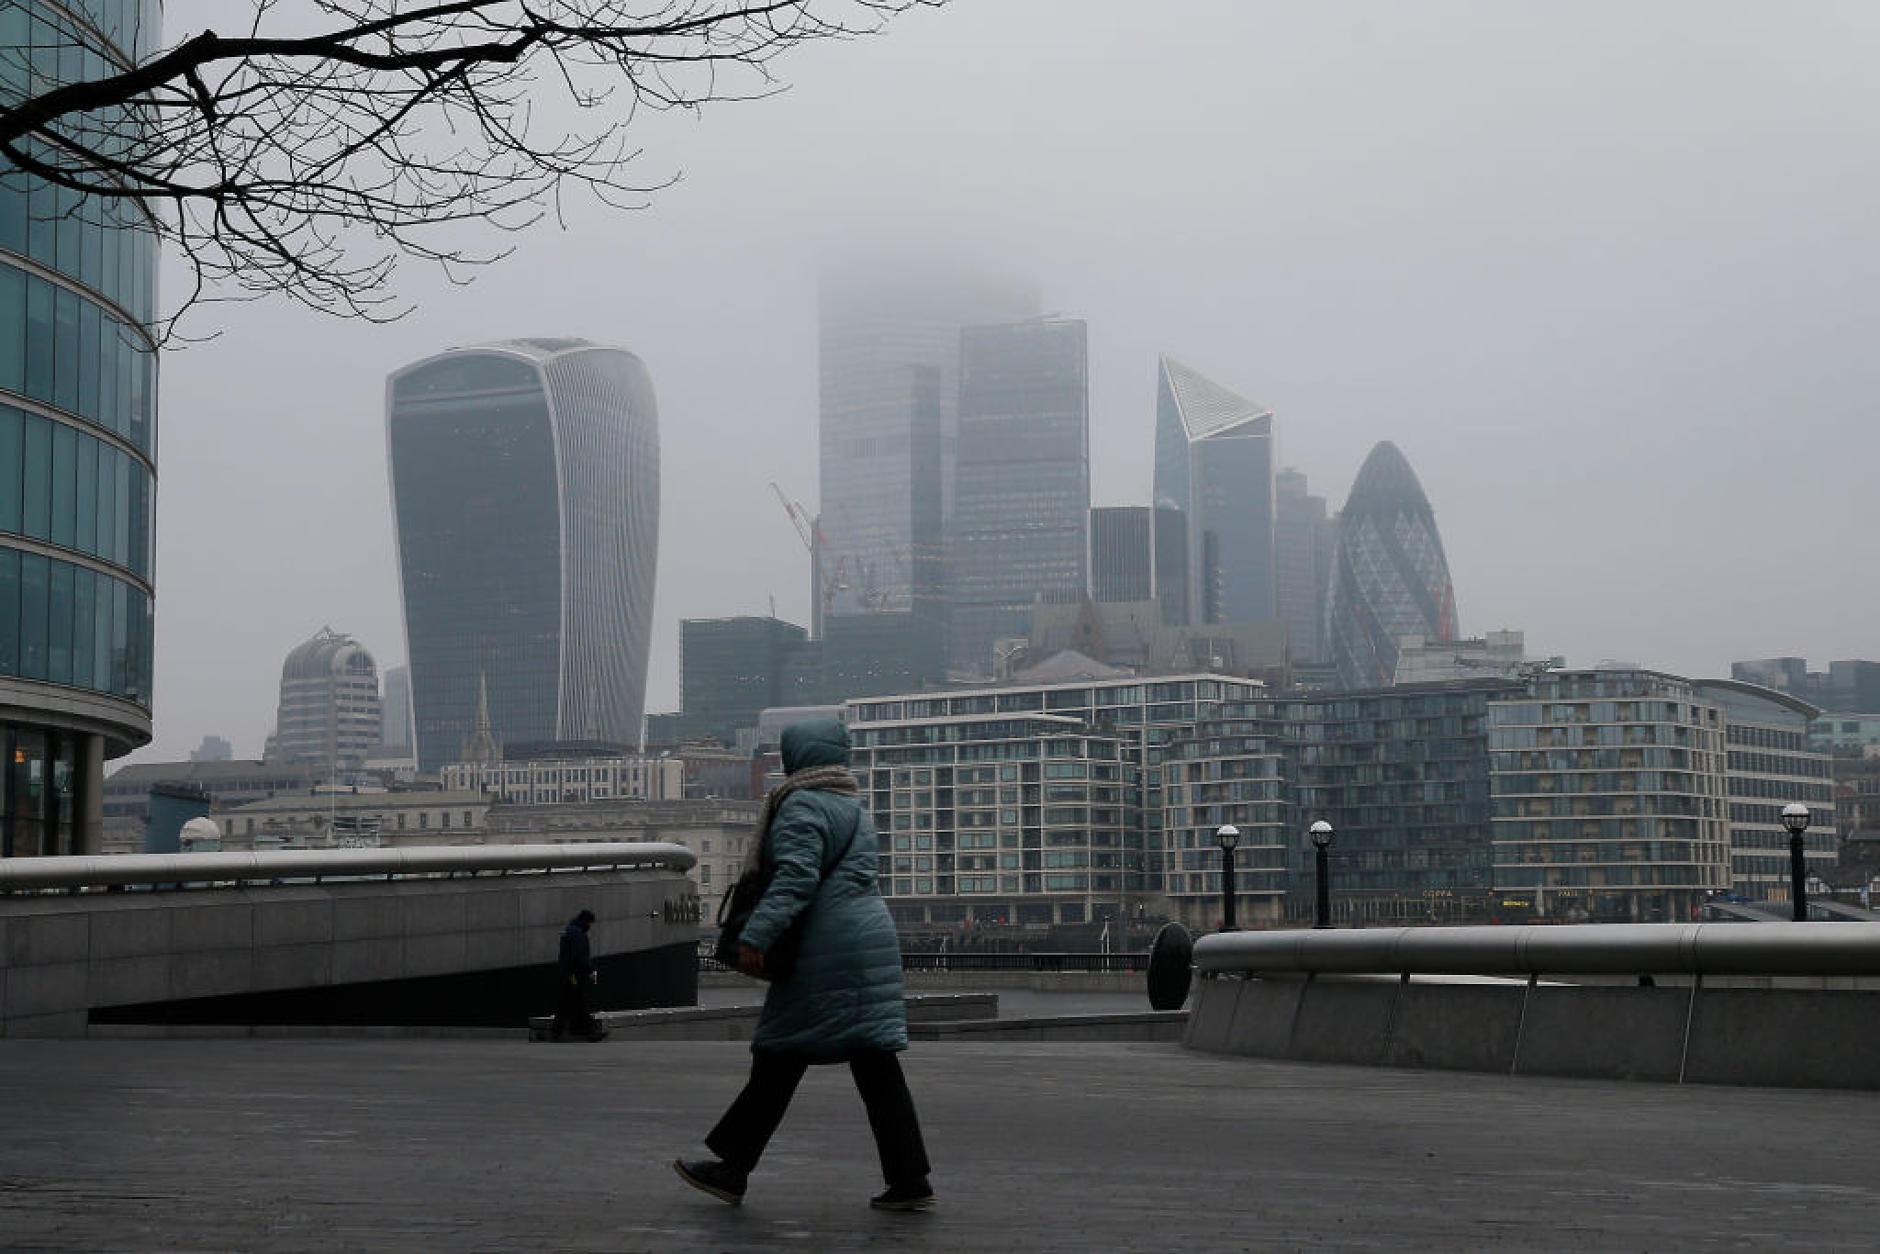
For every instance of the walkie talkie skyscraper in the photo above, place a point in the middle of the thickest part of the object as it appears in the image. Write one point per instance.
(525, 486)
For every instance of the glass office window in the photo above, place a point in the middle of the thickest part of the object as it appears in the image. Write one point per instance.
(64, 485)
(36, 492)
(9, 612)
(12, 456)
(65, 347)
(102, 629)
(123, 511)
(84, 605)
(59, 622)
(12, 321)
(38, 338)
(90, 322)
(35, 589)
(108, 503)
(86, 538)
(120, 636)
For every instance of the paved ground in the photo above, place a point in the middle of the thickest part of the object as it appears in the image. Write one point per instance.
(500, 1145)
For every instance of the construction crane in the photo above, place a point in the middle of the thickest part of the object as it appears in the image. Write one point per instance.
(1514, 670)
(829, 581)
(872, 597)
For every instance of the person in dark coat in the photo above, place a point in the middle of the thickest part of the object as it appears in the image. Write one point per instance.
(844, 1001)
(575, 967)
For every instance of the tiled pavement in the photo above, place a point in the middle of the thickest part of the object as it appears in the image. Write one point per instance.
(499, 1145)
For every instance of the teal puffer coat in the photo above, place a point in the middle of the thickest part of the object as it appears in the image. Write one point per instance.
(845, 994)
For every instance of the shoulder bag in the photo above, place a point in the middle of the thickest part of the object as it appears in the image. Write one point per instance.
(736, 907)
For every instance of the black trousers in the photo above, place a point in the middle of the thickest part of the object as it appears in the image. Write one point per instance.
(740, 1136)
(571, 1006)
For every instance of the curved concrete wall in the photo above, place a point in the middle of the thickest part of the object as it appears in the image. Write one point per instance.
(469, 949)
(1366, 997)
(1814, 1038)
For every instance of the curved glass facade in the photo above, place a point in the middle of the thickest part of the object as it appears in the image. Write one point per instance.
(77, 448)
(1389, 576)
(525, 485)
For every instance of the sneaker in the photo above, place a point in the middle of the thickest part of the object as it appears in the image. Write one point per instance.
(915, 1196)
(708, 1175)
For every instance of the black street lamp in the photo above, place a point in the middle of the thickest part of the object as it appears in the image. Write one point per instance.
(1227, 835)
(1795, 817)
(1321, 841)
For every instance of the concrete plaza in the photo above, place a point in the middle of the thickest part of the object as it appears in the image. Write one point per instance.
(497, 1144)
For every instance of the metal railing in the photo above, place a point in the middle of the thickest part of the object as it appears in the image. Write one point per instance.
(990, 961)
(300, 866)
(994, 961)
(1814, 949)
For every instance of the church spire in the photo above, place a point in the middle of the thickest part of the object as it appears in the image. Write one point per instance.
(482, 745)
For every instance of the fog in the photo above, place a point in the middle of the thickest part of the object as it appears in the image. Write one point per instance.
(1607, 274)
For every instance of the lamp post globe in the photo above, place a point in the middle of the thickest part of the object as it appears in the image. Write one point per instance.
(1227, 836)
(1321, 833)
(1795, 817)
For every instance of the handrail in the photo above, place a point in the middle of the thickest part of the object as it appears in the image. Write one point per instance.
(99, 871)
(1851, 949)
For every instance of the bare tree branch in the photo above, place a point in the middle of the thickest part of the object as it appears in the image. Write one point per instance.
(310, 160)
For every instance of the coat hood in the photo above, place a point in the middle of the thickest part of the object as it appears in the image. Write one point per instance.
(815, 742)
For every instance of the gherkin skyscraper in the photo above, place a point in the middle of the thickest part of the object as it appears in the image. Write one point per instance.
(1389, 576)
(525, 488)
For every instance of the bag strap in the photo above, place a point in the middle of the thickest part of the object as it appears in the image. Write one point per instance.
(822, 868)
(848, 844)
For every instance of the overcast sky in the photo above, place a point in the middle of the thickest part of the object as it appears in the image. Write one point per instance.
(1606, 273)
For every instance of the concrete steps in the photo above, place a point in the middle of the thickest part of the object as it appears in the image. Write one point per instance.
(930, 1017)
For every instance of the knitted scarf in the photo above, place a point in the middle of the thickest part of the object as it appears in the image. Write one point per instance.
(829, 778)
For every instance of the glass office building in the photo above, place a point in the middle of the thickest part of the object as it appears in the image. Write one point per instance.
(888, 426)
(1303, 538)
(1389, 576)
(733, 669)
(1140, 553)
(1021, 482)
(78, 447)
(525, 488)
(1214, 462)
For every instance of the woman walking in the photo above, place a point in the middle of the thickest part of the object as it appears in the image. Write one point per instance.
(843, 1002)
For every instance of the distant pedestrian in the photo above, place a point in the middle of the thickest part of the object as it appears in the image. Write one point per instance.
(844, 1001)
(575, 967)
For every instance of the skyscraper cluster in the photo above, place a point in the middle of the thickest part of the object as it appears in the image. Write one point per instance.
(956, 522)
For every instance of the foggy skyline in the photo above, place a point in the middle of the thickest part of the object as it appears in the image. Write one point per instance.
(1604, 274)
